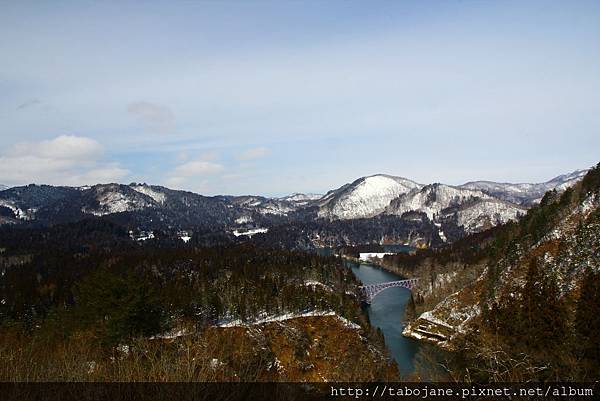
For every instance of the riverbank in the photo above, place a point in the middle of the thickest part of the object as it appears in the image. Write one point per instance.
(423, 327)
(377, 262)
(387, 312)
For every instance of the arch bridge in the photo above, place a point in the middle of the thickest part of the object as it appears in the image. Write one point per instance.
(368, 292)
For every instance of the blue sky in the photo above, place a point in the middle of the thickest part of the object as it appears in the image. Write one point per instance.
(276, 97)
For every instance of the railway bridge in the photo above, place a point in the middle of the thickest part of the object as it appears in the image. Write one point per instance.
(368, 292)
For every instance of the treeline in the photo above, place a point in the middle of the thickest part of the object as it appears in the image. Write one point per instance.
(91, 234)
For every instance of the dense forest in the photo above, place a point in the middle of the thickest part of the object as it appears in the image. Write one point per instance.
(411, 228)
(90, 288)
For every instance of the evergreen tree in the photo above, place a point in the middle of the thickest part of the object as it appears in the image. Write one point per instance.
(117, 307)
(587, 325)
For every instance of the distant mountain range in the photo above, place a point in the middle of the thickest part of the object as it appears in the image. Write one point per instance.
(475, 205)
(462, 209)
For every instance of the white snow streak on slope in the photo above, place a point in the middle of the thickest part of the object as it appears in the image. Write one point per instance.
(474, 218)
(112, 200)
(288, 316)
(444, 196)
(146, 190)
(19, 213)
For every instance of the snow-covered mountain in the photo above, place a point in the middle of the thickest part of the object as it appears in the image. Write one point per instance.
(454, 210)
(3, 187)
(134, 205)
(264, 205)
(526, 193)
(432, 199)
(365, 197)
(115, 198)
(471, 207)
(473, 210)
(301, 199)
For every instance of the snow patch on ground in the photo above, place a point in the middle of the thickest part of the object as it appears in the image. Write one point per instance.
(288, 316)
(313, 283)
(172, 334)
(243, 220)
(276, 209)
(250, 233)
(18, 212)
(366, 256)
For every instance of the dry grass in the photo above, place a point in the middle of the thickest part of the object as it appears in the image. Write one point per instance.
(306, 349)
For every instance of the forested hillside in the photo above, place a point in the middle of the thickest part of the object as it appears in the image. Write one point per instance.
(521, 301)
(69, 311)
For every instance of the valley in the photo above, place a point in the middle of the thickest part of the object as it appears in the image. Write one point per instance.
(256, 291)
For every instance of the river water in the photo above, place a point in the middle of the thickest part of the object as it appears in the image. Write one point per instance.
(387, 312)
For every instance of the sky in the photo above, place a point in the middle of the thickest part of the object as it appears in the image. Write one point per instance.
(276, 97)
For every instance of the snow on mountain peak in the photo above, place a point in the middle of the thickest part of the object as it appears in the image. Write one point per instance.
(526, 193)
(365, 197)
(299, 197)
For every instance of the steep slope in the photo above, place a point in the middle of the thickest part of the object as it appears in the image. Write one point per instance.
(365, 197)
(152, 191)
(524, 279)
(469, 210)
(525, 193)
(481, 214)
(432, 199)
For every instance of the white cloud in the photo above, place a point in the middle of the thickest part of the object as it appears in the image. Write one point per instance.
(254, 153)
(156, 117)
(64, 147)
(196, 175)
(107, 173)
(175, 182)
(197, 168)
(64, 160)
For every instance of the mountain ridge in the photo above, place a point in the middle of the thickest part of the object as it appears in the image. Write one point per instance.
(455, 210)
(525, 193)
